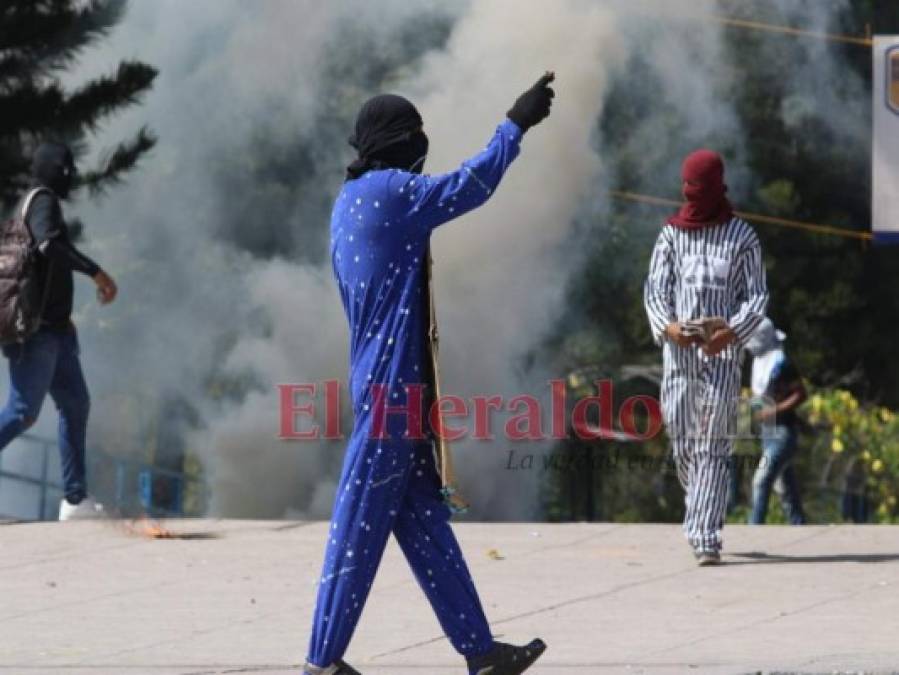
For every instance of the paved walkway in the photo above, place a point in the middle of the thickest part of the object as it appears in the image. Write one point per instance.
(236, 596)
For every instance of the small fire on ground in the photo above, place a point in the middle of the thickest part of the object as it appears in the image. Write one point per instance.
(149, 528)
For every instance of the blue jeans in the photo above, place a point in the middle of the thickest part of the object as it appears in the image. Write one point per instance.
(776, 464)
(47, 362)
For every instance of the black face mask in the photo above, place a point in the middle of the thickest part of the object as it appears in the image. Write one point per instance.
(388, 135)
(53, 166)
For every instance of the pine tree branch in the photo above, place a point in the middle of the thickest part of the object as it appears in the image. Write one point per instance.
(30, 108)
(14, 173)
(87, 106)
(40, 36)
(117, 163)
(50, 110)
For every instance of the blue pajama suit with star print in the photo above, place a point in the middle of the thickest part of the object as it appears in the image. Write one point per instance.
(381, 227)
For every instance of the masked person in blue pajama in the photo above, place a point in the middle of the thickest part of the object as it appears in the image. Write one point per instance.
(381, 228)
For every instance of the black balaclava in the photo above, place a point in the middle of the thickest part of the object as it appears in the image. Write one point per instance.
(53, 166)
(388, 135)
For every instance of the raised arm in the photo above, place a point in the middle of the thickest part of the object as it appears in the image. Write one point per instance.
(438, 199)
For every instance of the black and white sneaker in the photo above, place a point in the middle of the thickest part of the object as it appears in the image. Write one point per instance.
(337, 668)
(507, 659)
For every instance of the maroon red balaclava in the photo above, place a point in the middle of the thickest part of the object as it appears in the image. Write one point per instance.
(706, 204)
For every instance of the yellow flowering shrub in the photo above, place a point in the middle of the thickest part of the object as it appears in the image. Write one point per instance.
(856, 437)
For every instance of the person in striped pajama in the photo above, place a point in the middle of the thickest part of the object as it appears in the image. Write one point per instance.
(706, 264)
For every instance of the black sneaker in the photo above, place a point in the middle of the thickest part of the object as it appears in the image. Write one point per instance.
(337, 668)
(507, 659)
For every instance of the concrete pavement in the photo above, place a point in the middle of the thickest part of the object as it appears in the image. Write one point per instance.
(236, 597)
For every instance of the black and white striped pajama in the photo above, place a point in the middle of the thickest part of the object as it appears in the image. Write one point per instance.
(708, 272)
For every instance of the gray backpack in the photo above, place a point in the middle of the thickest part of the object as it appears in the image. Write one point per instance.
(21, 300)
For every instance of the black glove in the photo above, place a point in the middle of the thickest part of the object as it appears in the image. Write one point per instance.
(532, 107)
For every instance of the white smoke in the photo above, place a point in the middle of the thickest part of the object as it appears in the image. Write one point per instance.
(236, 83)
(821, 86)
(219, 238)
(499, 272)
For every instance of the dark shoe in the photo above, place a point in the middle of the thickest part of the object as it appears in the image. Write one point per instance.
(708, 558)
(507, 659)
(337, 668)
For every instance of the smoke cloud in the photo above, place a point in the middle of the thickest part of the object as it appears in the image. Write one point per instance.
(220, 239)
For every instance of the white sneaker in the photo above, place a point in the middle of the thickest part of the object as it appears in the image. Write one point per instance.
(86, 509)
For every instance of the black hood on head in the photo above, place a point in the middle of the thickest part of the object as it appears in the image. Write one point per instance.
(53, 166)
(388, 135)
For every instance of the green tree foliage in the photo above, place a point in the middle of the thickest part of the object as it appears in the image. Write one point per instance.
(39, 40)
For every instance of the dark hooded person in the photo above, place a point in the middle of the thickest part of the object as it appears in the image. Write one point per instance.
(381, 230)
(48, 361)
(705, 295)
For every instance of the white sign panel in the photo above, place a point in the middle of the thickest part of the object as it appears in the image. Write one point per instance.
(885, 146)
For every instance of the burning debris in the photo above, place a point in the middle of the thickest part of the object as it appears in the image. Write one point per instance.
(149, 528)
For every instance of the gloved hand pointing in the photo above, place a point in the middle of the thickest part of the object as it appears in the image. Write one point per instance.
(532, 107)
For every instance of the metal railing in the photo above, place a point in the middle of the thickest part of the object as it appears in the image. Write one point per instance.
(125, 486)
(42, 481)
